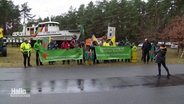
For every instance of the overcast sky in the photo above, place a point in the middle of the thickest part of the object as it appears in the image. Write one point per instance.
(45, 8)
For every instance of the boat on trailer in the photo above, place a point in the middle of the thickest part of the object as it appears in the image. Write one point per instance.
(47, 30)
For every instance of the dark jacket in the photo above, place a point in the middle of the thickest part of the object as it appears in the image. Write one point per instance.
(51, 45)
(146, 46)
(121, 43)
(161, 54)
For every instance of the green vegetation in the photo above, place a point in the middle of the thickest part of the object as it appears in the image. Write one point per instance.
(134, 19)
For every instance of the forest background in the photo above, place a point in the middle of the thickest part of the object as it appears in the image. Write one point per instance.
(157, 20)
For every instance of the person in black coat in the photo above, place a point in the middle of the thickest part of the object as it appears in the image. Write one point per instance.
(160, 59)
(145, 51)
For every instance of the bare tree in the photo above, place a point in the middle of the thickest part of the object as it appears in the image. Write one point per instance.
(175, 31)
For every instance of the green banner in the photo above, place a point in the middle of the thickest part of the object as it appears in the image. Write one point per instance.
(61, 54)
(113, 52)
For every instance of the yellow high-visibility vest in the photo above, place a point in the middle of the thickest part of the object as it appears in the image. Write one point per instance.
(1, 32)
(106, 44)
(25, 47)
(134, 48)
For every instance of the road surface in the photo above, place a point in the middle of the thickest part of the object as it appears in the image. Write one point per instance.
(97, 84)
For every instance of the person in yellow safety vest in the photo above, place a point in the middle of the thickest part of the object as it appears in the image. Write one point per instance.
(106, 43)
(1, 38)
(134, 53)
(25, 48)
(1, 32)
(134, 48)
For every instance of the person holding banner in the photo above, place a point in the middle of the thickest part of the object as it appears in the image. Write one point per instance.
(95, 43)
(37, 47)
(25, 48)
(106, 43)
(51, 46)
(121, 43)
(65, 45)
(127, 43)
(72, 43)
(79, 45)
(89, 57)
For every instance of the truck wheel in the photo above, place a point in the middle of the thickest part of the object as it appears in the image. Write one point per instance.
(4, 51)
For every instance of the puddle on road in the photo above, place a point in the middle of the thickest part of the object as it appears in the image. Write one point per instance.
(93, 85)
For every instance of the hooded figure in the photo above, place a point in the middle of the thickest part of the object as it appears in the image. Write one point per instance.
(37, 47)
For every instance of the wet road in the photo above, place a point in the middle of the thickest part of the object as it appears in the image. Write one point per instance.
(99, 84)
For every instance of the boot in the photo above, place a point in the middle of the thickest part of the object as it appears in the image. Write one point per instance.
(159, 76)
(168, 75)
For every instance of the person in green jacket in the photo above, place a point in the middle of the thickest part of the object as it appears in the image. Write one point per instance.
(37, 47)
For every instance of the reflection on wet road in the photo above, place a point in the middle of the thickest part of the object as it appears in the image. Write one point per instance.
(89, 85)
